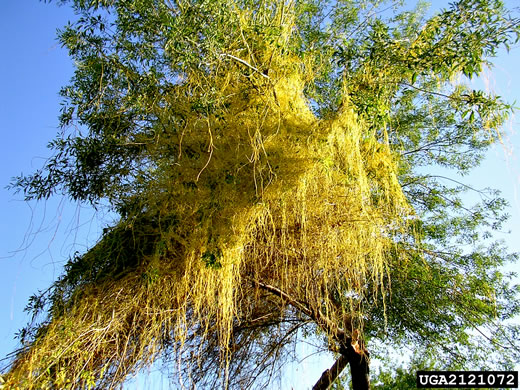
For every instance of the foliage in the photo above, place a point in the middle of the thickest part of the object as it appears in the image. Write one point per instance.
(267, 160)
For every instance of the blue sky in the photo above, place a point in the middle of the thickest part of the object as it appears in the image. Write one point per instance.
(37, 238)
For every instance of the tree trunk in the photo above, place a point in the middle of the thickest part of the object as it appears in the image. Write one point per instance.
(359, 370)
(329, 376)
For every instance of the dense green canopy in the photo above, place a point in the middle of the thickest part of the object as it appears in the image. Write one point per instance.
(273, 166)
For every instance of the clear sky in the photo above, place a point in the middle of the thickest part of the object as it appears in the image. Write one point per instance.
(36, 239)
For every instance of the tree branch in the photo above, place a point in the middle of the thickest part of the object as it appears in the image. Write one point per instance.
(293, 302)
(246, 64)
(330, 375)
(351, 352)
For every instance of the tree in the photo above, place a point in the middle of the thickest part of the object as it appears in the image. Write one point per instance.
(265, 160)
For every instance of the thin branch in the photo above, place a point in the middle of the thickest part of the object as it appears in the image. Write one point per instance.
(480, 192)
(293, 302)
(246, 64)
(429, 92)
